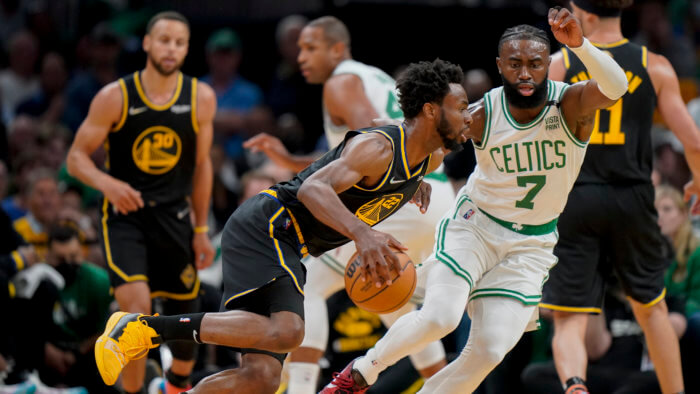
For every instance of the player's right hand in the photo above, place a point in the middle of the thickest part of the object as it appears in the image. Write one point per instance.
(271, 146)
(377, 257)
(122, 196)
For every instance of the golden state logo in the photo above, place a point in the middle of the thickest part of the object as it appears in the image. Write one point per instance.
(378, 209)
(156, 150)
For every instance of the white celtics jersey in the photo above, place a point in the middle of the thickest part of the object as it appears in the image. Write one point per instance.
(380, 89)
(524, 172)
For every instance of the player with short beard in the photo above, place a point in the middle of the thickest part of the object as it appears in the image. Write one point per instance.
(495, 246)
(157, 127)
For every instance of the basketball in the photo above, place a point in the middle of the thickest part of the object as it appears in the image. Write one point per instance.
(384, 299)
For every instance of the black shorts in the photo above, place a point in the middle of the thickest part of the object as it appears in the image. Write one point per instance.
(276, 296)
(153, 244)
(606, 230)
(261, 253)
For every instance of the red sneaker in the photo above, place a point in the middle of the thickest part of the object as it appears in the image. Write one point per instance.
(345, 383)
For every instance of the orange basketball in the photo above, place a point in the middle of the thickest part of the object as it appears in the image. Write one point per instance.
(383, 299)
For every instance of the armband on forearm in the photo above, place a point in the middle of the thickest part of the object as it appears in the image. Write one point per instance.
(610, 77)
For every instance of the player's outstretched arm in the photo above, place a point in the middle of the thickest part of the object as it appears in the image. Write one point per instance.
(106, 110)
(319, 193)
(608, 82)
(675, 114)
(274, 149)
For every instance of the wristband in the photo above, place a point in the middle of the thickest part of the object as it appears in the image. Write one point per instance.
(201, 229)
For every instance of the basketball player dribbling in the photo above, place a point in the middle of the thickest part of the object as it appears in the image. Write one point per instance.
(316, 211)
(353, 95)
(495, 247)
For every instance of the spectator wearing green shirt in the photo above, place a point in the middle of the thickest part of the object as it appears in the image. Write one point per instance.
(80, 311)
(683, 276)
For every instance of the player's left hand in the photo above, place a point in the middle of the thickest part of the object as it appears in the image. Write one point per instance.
(692, 189)
(565, 27)
(422, 196)
(203, 251)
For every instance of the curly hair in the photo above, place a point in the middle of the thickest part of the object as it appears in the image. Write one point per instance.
(523, 32)
(426, 82)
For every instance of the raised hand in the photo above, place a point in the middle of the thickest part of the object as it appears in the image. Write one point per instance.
(565, 27)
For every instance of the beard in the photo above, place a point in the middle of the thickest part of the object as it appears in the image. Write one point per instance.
(161, 70)
(525, 102)
(444, 130)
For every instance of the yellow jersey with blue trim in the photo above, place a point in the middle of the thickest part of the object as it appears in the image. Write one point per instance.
(153, 147)
(371, 204)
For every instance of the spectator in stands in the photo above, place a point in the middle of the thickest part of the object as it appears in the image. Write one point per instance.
(682, 278)
(18, 82)
(79, 313)
(240, 108)
(104, 49)
(295, 103)
(48, 102)
(43, 202)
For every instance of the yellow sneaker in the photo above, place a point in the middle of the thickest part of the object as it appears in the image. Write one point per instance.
(126, 338)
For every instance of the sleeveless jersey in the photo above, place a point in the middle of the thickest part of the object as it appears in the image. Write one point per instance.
(380, 89)
(370, 204)
(524, 172)
(620, 149)
(153, 147)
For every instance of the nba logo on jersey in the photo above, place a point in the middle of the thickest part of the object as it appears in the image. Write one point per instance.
(184, 320)
(469, 214)
(287, 222)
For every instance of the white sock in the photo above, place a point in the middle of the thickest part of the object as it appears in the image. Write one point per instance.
(369, 366)
(303, 378)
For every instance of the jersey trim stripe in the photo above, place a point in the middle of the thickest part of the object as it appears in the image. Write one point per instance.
(193, 109)
(444, 257)
(179, 297)
(304, 250)
(125, 105)
(403, 157)
(645, 56)
(488, 110)
(149, 104)
(391, 165)
(280, 255)
(570, 134)
(611, 45)
(538, 118)
(108, 249)
(587, 309)
(243, 293)
(656, 300)
(565, 55)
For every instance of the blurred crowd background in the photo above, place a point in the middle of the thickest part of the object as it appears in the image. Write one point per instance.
(56, 54)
